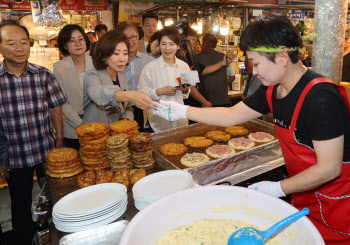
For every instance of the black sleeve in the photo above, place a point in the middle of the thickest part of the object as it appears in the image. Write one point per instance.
(325, 113)
(258, 101)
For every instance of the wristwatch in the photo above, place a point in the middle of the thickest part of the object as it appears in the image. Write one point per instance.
(220, 64)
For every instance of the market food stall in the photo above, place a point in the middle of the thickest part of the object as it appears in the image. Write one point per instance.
(232, 169)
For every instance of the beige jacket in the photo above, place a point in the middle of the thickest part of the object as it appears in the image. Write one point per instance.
(141, 47)
(68, 78)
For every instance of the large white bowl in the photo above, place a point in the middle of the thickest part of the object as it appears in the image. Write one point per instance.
(215, 202)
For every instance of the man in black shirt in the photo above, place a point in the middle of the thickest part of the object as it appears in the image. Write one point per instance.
(311, 119)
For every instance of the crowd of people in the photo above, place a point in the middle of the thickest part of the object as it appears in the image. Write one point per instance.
(103, 76)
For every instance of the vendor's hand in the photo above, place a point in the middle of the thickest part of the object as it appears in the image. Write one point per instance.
(184, 89)
(167, 90)
(207, 104)
(174, 111)
(269, 187)
(4, 172)
(142, 100)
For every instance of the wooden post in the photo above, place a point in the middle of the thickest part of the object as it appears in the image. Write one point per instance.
(327, 54)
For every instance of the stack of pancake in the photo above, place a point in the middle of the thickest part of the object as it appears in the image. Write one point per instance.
(92, 137)
(63, 162)
(129, 127)
(118, 152)
(141, 148)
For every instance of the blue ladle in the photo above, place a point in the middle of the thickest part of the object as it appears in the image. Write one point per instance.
(252, 236)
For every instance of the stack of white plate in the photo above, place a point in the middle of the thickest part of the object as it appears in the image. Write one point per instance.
(90, 207)
(157, 185)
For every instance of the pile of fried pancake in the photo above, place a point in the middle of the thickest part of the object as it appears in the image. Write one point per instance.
(104, 176)
(141, 147)
(129, 127)
(92, 137)
(118, 152)
(63, 162)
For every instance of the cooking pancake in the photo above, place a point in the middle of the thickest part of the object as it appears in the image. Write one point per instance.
(103, 176)
(101, 166)
(194, 159)
(123, 126)
(219, 151)
(65, 168)
(93, 137)
(139, 138)
(236, 130)
(87, 179)
(62, 154)
(173, 149)
(144, 165)
(64, 175)
(217, 135)
(121, 177)
(89, 129)
(190, 140)
(116, 140)
(241, 143)
(200, 144)
(136, 175)
(94, 141)
(261, 137)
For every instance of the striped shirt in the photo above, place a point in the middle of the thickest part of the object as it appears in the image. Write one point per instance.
(24, 113)
(133, 70)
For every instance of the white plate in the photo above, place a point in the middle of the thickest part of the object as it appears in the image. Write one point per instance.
(162, 183)
(88, 222)
(90, 219)
(90, 199)
(82, 228)
(72, 218)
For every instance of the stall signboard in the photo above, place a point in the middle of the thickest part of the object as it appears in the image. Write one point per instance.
(24, 5)
(83, 5)
(128, 11)
(297, 15)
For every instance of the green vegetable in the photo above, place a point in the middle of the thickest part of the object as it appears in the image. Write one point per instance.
(188, 228)
(202, 243)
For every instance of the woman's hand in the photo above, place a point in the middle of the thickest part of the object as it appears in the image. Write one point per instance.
(142, 100)
(183, 89)
(167, 90)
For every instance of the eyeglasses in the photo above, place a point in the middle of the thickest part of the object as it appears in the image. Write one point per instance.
(76, 42)
(133, 38)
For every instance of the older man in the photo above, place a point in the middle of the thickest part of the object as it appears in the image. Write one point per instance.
(29, 95)
(149, 27)
(137, 60)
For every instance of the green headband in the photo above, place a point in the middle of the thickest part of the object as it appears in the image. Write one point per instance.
(275, 50)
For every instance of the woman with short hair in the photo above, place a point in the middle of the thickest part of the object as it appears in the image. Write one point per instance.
(69, 72)
(106, 87)
(153, 46)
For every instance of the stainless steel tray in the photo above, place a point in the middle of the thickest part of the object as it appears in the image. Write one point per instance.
(235, 168)
(107, 234)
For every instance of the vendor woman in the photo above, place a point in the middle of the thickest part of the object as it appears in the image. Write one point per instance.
(311, 119)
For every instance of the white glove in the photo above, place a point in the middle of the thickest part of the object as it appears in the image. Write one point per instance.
(173, 111)
(269, 187)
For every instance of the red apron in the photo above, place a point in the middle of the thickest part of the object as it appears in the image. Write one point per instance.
(329, 204)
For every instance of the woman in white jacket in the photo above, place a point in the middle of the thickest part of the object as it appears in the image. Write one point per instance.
(159, 78)
(69, 72)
